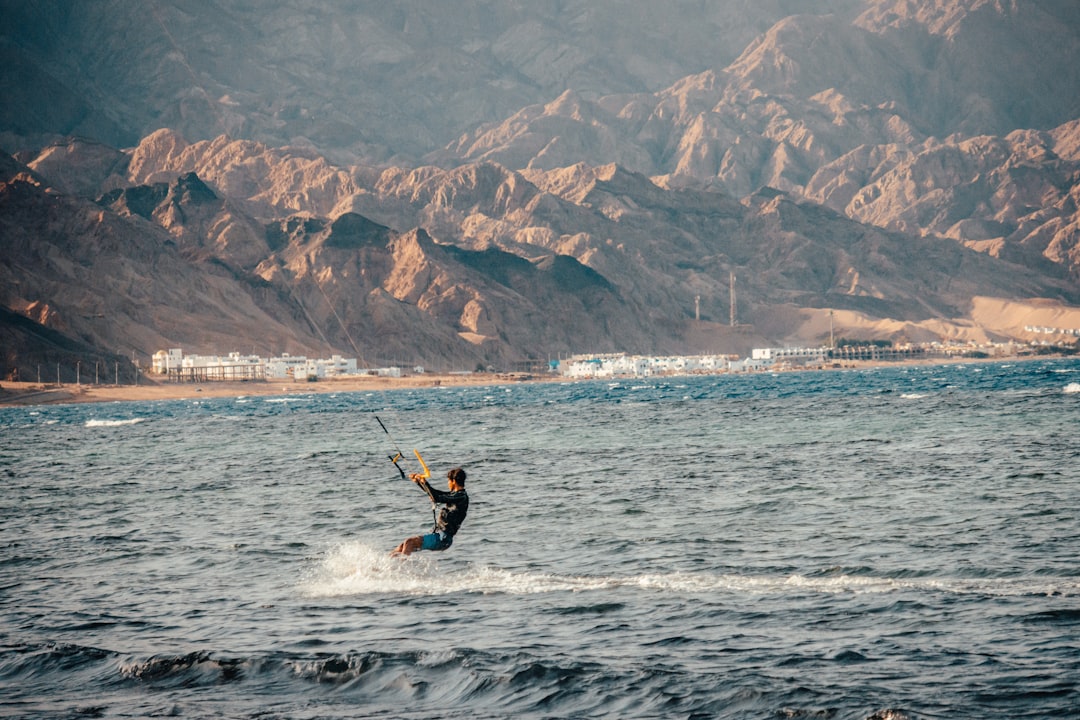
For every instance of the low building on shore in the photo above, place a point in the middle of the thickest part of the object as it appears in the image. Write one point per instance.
(178, 367)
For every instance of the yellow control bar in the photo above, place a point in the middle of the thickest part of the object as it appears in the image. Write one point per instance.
(427, 473)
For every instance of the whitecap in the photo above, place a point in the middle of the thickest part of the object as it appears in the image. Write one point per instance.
(1072, 388)
(113, 423)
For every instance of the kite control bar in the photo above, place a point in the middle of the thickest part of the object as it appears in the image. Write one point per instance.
(395, 458)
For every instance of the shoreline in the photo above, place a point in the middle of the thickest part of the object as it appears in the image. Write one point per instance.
(31, 393)
(14, 394)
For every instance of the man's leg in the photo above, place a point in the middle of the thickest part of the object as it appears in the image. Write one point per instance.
(409, 546)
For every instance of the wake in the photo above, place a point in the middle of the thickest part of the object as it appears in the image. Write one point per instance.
(359, 569)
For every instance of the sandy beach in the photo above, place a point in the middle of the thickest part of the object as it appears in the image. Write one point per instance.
(27, 393)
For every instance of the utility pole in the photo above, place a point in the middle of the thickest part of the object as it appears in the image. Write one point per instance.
(732, 300)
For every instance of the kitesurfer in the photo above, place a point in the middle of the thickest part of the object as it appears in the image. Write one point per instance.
(455, 504)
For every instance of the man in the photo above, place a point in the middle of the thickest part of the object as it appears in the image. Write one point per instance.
(455, 504)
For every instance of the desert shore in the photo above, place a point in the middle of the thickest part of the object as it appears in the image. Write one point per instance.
(26, 393)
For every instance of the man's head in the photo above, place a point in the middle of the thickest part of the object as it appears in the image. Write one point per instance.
(456, 477)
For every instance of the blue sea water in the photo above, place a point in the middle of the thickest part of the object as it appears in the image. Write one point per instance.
(890, 543)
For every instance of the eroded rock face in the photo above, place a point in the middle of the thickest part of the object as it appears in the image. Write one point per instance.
(156, 259)
(906, 118)
(497, 266)
(357, 80)
(614, 165)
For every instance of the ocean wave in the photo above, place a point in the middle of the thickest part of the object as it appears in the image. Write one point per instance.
(720, 558)
(359, 569)
(1072, 388)
(406, 684)
(187, 670)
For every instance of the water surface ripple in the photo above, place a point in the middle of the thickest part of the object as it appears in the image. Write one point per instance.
(892, 543)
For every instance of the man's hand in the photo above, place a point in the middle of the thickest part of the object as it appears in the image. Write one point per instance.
(416, 478)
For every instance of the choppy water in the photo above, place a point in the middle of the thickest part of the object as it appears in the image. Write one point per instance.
(893, 543)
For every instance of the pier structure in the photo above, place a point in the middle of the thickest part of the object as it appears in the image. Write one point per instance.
(216, 373)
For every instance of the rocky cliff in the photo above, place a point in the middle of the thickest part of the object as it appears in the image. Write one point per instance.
(954, 119)
(358, 80)
(483, 184)
(474, 264)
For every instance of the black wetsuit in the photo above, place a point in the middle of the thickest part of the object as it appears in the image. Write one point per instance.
(455, 505)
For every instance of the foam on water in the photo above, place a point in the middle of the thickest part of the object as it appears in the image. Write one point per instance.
(113, 423)
(356, 568)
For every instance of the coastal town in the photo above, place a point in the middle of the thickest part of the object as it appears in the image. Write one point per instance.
(174, 366)
(175, 374)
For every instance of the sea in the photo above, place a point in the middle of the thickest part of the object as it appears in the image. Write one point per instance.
(880, 544)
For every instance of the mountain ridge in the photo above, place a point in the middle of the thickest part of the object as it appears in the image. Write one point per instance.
(516, 272)
(899, 162)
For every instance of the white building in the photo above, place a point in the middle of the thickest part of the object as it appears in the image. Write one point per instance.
(337, 365)
(232, 360)
(613, 366)
(790, 354)
(286, 366)
(604, 366)
(166, 360)
(236, 366)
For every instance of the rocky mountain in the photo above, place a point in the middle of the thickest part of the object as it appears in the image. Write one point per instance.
(164, 264)
(364, 80)
(493, 183)
(906, 117)
(490, 266)
(121, 283)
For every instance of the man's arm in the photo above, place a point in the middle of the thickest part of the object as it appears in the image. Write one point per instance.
(423, 483)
